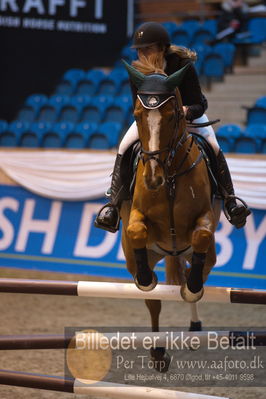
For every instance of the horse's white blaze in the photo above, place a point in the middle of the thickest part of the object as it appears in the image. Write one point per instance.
(154, 122)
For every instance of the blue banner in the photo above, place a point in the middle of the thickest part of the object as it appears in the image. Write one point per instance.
(43, 234)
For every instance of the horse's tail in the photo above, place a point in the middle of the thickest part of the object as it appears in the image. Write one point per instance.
(175, 267)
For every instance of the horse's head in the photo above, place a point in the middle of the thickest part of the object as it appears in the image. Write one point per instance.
(157, 112)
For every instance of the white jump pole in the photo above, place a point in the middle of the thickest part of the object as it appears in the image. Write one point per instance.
(120, 391)
(169, 292)
(163, 292)
(92, 388)
(126, 290)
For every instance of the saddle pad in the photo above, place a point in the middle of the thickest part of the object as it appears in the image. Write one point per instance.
(210, 160)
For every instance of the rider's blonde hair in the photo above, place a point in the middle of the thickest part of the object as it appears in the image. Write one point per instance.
(156, 62)
(182, 52)
(151, 63)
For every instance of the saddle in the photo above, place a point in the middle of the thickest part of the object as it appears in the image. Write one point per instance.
(129, 164)
(131, 157)
(210, 161)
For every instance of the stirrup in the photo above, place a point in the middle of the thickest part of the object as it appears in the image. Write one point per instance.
(108, 192)
(103, 226)
(228, 198)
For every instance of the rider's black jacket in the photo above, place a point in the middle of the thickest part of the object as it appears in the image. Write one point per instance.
(189, 89)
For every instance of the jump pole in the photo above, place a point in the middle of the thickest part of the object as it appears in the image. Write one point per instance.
(88, 387)
(133, 339)
(126, 290)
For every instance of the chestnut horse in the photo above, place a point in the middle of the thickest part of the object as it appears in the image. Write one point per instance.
(171, 213)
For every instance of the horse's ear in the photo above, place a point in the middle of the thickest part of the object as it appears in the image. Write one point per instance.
(176, 78)
(135, 76)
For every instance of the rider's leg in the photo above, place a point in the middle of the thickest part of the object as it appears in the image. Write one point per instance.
(130, 136)
(108, 217)
(237, 212)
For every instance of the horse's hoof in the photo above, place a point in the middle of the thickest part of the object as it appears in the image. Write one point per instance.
(189, 296)
(149, 287)
(195, 326)
(162, 364)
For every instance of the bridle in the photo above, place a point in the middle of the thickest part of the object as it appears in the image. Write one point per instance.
(172, 148)
(170, 179)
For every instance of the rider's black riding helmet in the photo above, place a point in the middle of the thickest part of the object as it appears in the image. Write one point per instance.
(150, 33)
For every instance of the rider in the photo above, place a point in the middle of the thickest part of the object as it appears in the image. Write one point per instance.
(151, 38)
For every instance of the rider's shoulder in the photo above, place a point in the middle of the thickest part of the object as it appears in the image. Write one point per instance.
(185, 61)
(175, 62)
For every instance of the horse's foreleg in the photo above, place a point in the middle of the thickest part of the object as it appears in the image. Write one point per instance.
(145, 278)
(210, 260)
(137, 229)
(202, 236)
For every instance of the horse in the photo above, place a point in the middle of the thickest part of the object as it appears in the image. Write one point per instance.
(171, 214)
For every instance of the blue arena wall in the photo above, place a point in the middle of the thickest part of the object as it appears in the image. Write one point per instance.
(42, 234)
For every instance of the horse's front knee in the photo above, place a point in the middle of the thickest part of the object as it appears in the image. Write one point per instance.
(137, 232)
(201, 239)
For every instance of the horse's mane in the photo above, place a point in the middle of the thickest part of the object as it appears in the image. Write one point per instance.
(150, 64)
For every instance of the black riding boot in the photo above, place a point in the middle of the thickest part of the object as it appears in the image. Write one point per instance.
(235, 213)
(108, 217)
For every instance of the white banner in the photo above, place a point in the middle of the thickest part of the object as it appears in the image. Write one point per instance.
(76, 176)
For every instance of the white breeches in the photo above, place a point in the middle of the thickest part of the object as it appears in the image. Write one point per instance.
(207, 132)
(130, 136)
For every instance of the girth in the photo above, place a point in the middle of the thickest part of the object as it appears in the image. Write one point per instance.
(161, 251)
